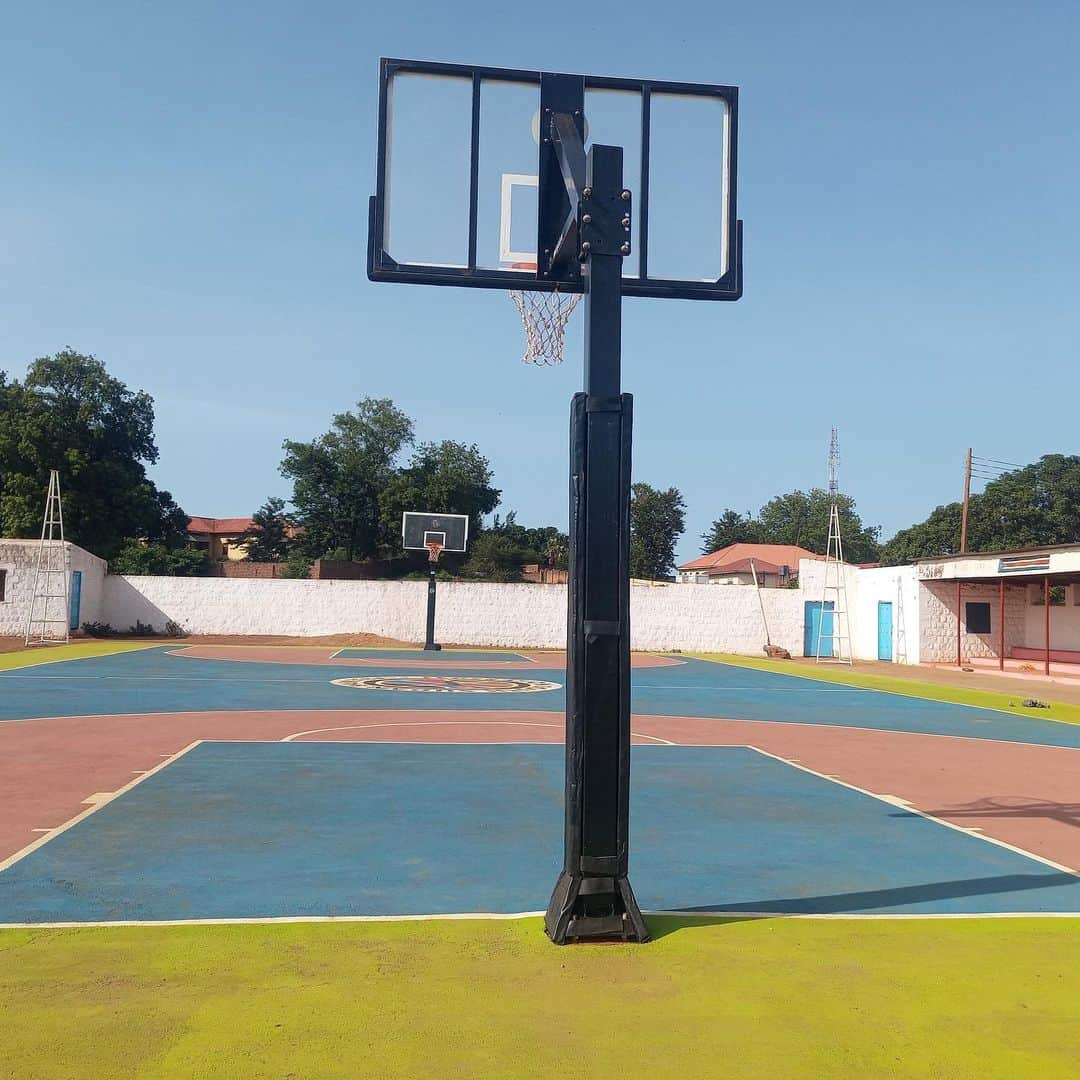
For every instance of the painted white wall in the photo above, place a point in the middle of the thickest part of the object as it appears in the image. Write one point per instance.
(673, 617)
(17, 557)
(899, 586)
(1064, 622)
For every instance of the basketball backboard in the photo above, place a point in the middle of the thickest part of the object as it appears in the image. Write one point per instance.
(418, 530)
(464, 152)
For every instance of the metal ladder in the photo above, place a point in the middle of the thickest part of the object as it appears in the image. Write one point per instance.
(48, 622)
(840, 636)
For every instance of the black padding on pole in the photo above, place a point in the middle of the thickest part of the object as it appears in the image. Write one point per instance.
(593, 897)
(429, 640)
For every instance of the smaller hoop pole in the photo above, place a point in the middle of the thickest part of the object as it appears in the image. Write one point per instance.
(434, 551)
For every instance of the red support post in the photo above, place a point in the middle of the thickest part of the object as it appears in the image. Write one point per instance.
(1001, 624)
(1046, 627)
(959, 660)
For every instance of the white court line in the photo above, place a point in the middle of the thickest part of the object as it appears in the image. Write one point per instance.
(484, 916)
(453, 723)
(100, 799)
(650, 716)
(185, 652)
(892, 800)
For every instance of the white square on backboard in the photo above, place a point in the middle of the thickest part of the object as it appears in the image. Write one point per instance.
(509, 182)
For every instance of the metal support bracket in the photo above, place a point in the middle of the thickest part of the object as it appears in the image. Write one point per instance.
(604, 222)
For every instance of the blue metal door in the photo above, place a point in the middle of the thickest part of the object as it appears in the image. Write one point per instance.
(812, 626)
(76, 598)
(884, 630)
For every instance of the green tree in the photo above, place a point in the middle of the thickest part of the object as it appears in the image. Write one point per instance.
(158, 560)
(269, 538)
(445, 478)
(730, 527)
(494, 556)
(939, 534)
(657, 520)
(297, 566)
(802, 518)
(542, 544)
(1032, 506)
(339, 478)
(70, 414)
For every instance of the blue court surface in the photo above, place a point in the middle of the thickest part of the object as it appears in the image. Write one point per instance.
(162, 680)
(248, 830)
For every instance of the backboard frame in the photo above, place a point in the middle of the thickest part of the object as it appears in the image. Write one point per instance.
(431, 524)
(383, 267)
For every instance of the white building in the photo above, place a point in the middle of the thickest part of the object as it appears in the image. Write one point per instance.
(85, 585)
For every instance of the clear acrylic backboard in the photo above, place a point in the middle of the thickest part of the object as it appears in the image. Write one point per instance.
(460, 152)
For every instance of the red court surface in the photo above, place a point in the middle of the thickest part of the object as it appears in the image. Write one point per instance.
(1021, 795)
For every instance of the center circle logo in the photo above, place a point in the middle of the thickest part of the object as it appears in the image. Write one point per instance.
(447, 684)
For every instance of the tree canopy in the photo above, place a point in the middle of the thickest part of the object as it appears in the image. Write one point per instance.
(500, 551)
(1036, 505)
(729, 528)
(443, 477)
(657, 520)
(268, 540)
(69, 414)
(800, 518)
(339, 478)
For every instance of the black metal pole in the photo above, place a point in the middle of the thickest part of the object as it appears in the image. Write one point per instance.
(592, 898)
(429, 643)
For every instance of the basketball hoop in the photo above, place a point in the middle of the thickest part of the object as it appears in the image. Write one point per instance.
(544, 316)
(434, 550)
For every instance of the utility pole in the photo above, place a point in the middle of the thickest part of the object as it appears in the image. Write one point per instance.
(967, 500)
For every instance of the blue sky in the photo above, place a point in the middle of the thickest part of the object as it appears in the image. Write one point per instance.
(183, 193)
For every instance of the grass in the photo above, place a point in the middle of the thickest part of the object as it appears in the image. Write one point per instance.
(771, 998)
(75, 651)
(960, 695)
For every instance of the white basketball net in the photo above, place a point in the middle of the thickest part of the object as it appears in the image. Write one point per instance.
(544, 316)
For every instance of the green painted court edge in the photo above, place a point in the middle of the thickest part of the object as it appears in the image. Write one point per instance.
(964, 999)
(956, 695)
(79, 650)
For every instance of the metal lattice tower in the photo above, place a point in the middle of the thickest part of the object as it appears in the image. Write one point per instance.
(834, 466)
(834, 633)
(50, 602)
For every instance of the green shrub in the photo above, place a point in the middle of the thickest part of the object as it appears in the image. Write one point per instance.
(158, 560)
(297, 566)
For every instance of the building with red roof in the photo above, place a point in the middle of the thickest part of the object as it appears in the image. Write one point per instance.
(775, 565)
(219, 537)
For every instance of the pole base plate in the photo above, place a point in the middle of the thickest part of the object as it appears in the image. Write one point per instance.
(587, 908)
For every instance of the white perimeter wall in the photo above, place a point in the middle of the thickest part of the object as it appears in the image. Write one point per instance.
(17, 558)
(688, 617)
